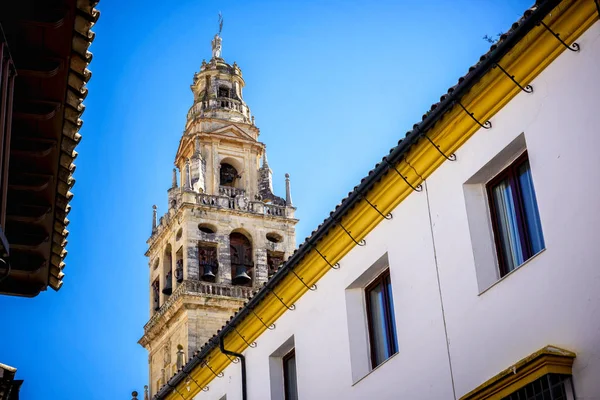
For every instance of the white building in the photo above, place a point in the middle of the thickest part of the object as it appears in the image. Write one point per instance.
(485, 283)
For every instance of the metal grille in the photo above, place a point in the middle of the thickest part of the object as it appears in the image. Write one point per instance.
(548, 387)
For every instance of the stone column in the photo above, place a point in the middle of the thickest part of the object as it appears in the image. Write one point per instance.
(174, 180)
(154, 228)
(261, 270)
(174, 266)
(190, 251)
(161, 278)
(224, 257)
(288, 191)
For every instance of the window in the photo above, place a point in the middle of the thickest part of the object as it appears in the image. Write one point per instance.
(381, 320)
(548, 387)
(543, 375)
(223, 91)
(242, 263)
(228, 175)
(290, 383)
(515, 216)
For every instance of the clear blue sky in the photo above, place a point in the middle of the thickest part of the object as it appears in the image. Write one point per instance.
(333, 86)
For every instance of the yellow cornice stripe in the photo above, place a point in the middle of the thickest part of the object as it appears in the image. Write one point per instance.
(526, 60)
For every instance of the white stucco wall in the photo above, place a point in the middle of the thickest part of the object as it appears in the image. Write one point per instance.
(554, 299)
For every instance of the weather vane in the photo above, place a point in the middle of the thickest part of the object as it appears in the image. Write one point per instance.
(220, 23)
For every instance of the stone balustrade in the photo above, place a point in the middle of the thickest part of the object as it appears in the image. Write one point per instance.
(238, 203)
(194, 287)
(230, 191)
(218, 103)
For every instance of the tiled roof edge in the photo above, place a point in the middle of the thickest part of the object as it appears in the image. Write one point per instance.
(85, 17)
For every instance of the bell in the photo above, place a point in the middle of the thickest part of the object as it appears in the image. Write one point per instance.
(241, 277)
(168, 285)
(208, 274)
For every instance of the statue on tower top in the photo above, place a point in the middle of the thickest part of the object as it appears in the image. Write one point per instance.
(216, 42)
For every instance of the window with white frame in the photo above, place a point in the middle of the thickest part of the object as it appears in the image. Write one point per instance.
(383, 340)
(515, 216)
(282, 372)
(371, 319)
(290, 381)
(502, 211)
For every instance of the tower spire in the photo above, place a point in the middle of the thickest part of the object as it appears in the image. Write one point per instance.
(288, 191)
(216, 42)
(154, 218)
(174, 181)
(186, 180)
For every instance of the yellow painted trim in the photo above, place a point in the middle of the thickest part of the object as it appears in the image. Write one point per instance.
(549, 360)
(526, 60)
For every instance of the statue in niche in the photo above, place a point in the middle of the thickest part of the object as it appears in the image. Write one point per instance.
(167, 351)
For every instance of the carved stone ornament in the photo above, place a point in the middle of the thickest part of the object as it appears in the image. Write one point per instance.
(242, 202)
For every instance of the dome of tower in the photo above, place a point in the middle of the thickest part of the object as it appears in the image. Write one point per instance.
(217, 90)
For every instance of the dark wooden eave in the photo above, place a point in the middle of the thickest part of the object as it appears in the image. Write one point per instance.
(48, 42)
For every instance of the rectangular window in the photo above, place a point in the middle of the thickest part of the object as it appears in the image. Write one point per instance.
(515, 215)
(548, 387)
(290, 383)
(381, 320)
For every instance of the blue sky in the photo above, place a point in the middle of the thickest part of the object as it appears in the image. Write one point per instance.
(333, 85)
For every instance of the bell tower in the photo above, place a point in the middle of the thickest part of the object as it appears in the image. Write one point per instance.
(224, 232)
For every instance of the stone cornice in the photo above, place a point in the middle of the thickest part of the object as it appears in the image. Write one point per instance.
(164, 228)
(184, 296)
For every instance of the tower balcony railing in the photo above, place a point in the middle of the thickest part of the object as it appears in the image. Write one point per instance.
(277, 211)
(231, 191)
(218, 103)
(235, 203)
(194, 287)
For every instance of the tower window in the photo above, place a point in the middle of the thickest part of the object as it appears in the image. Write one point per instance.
(274, 237)
(207, 258)
(207, 228)
(274, 261)
(228, 175)
(155, 295)
(223, 91)
(241, 259)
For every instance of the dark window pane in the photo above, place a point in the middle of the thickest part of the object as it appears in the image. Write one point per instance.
(530, 208)
(508, 229)
(515, 215)
(382, 324)
(379, 337)
(289, 377)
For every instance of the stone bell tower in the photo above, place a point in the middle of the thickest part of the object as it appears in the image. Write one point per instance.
(224, 233)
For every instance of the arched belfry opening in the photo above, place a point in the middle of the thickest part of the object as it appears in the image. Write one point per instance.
(224, 91)
(168, 272)
(229, 175)
(242, 263)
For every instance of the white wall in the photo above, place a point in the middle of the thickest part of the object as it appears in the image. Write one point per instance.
(552, 299)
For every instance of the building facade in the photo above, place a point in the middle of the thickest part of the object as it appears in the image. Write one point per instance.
(224, 233)
(463, 266)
